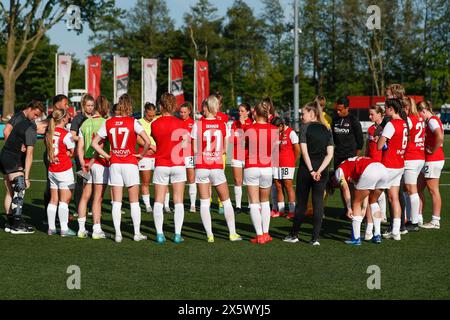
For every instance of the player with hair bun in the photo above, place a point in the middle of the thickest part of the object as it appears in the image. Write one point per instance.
(121, 132)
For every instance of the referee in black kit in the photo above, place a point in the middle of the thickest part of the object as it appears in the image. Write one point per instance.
(316, 143)
(16, 159)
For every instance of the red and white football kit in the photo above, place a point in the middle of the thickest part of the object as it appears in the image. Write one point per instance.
(286, 168)
(187, 144)
(415, 150)
(237, 138)
(434, 163)
(372, 150)
(60, 172)
(364, 172)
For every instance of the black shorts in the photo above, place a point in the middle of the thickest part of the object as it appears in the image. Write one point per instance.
(11, 162)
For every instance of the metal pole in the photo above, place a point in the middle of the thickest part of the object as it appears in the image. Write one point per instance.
(114, 79)
(56, 74)
(142, 87)
(296, 69)
(195, 89)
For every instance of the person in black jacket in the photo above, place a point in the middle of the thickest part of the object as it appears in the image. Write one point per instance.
(347, 133)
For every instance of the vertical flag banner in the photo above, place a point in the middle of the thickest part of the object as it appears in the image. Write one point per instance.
(93, 75)
(176, 79)
(149, 85)
(202, 82)
(63, 68)
(121, 68)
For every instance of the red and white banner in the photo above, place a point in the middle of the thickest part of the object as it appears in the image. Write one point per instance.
(176, 79)
(121, 68)
(63, 68)
(149, 84)
(93, 75)
(202, 82)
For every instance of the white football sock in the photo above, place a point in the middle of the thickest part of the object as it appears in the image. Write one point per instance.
(229, 216)
(375, 209)
(238, 196)
(369, 228)
(135, 209)
(435, 218)
(255, 215)
(382, 205)
(146, 200)
(414, 199)
(206, 216)
(193, 193)
(396, 226)
(291, 207)
(407, 206)
(265, 216)
(356, 224)
(178, 217)
(281, 207)
(97, 228)
(81, 224)
(117, 216)
(51, 216)
(63, 214)
(166, 200)
(158, 217)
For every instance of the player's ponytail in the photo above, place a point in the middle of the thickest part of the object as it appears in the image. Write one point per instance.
(102, 106)
(262, 110)
(57, 117)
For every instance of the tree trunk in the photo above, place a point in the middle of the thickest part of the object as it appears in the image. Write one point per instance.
(9, 95)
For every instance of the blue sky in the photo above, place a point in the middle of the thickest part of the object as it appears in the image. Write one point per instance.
(70, 42)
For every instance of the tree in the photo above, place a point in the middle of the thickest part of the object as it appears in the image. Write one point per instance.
(23, 26)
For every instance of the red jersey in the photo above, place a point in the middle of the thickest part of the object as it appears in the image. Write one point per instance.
(237, 138)
(353, 168)
(121, 133)
(187, 144)
(288, 138)
(168, 133)
(397, 134)
(372, 150)
(62, 142)
(415, 150)
(261, 144)
(210, 138)
(433, 124)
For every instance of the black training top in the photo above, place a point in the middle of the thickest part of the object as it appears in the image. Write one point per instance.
(77, 121)
(347, 136)
(17, 118)
(317, 138)
(23, 133)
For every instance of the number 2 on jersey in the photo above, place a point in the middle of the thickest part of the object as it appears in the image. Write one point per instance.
(121, 131)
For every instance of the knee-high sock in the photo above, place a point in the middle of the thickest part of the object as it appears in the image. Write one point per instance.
(117, 216)
(178, 217)
(396, 222)
(407, 206)
(51, 216)
(356, 224)
(205, 215)
(415, 205)
(265, 216)
(166, 200)
(375, 209)
(63, 214)
(146, 200)
(255, 214)
(135, 209)
(158, 217)
(382, 205)
(193, 193)
(238, 195)
(229, 216)
(281, 206)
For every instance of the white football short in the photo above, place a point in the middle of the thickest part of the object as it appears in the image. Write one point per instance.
(433, 169)
(214, 176)
(412, 170)
(237, 163)
(373, 177)
(146, 164)
(393, 178)
(283, 173)
(261, 177)
(123, 174)
(189, 162)
(166, 175)
(99, 174)
(61, 180)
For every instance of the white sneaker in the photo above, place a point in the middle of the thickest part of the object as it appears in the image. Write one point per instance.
(167, 210)
(432, 225)
(139, 237)
(83, 234)
(192, 209)
(90, 213)
(315, 243)
(98, 235)
(368, 236)
(118, 238)
(149, 209)
(392, 236)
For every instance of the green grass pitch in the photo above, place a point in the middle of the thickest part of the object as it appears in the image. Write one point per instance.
(35, 266)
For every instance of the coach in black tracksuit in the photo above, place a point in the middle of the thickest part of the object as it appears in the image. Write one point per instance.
(347, 133)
